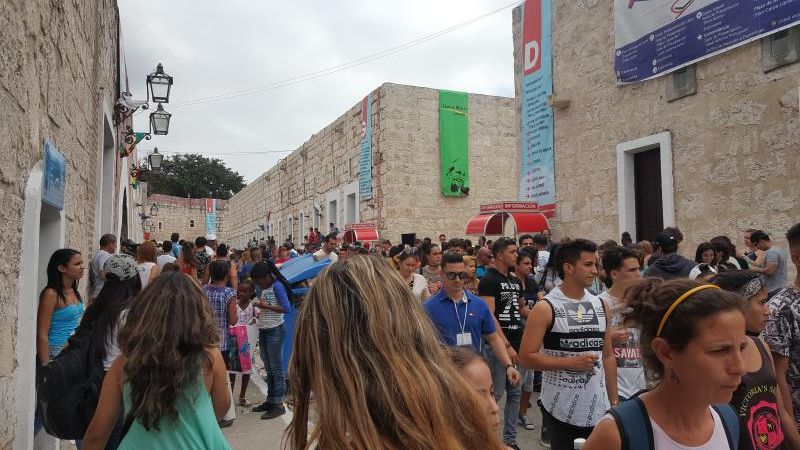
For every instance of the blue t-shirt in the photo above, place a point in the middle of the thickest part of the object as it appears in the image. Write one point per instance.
(480, 271)
(473, 313)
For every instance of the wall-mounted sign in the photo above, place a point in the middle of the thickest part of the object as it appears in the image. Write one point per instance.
(365, 150)
(657, 37)
(510, 206)
(359, 226)
(454, 142)
(55, 176)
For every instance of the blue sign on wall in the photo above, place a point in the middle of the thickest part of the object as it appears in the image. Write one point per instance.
(657, 37)
(365, 155)
(55, 176)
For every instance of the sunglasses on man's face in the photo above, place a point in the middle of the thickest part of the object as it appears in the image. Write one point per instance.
(453, 275)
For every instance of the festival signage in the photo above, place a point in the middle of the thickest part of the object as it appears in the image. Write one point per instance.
(365, 151)
(211, 216)
(657, 37)
(454, 142)
(537, 171)
(55, 176)
(510, 206)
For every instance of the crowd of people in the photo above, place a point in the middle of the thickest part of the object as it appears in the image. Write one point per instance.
(625, 345)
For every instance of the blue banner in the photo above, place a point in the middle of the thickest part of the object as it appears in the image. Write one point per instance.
(211, 217)
(365, 155)
(537, 174)
(657, 37)
(55, 176)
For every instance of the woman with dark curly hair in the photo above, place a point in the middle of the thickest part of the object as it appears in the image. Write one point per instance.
(170, 377)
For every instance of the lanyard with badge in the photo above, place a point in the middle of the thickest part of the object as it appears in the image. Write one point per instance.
(462, 339)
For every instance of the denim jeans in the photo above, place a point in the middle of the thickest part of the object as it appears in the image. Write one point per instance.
(270, 343)
(513, 394)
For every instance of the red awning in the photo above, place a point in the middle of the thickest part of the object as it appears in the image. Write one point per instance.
(492, 224)
(360, 235)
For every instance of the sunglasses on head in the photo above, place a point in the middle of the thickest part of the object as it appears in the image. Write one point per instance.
(453, 275)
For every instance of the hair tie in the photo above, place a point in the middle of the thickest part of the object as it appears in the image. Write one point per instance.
(680, 300)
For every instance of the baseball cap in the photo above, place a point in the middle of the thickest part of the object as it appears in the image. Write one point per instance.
(121, 267)
(665, 240)
(758, 235)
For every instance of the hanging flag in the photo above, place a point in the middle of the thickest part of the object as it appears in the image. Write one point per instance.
(454, 142)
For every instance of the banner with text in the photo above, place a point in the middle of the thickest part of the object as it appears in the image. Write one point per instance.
(657, 37)
(537, 173)
(454, 142)
(211, 216)
(365, 154)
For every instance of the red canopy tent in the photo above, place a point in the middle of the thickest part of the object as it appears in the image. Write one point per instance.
(361, 232)
(526, 217)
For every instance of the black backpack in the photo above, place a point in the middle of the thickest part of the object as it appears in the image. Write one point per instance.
(68, 388)
(636, 432)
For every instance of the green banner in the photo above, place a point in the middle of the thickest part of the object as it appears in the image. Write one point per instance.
(454, 142)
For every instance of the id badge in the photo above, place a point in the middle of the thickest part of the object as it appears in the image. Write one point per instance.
(463, 339)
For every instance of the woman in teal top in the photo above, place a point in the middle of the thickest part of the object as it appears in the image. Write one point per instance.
(60, 304)
(171, 377)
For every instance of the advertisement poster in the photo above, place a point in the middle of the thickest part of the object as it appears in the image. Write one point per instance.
(454, 142)
(537, 172)
(365, 154)
(655, 37)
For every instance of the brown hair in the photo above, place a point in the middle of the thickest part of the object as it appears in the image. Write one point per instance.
(168, 330)
(381, 380)
(650, 298)
(146, 252)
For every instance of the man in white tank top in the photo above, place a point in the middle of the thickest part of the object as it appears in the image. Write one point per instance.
(567, 338)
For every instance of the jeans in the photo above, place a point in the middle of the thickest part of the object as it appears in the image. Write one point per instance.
(270, 343)
(513, 394)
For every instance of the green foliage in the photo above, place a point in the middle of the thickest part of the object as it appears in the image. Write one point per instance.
(194, 175)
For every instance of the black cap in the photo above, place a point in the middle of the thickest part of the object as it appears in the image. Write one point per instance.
(665, 241)
(757, 236)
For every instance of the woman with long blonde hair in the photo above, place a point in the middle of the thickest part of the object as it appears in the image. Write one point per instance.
(380, 379)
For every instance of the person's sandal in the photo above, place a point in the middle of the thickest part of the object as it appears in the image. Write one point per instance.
(244, 403)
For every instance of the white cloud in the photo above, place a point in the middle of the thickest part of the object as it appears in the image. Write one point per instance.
(212, 48)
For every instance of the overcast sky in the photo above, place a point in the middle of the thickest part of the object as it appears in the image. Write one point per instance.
(212, 48)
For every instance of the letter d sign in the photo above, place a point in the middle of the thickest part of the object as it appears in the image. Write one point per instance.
(531, 36)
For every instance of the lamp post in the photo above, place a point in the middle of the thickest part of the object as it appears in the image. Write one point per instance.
(154, 159)
(159, 85)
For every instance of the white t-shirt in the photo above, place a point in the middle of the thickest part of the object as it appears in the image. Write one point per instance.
(320, 255)
(419, 285)
(98, 262)
(630, 370)
(112, 346)
(145, 269)
(163, 260)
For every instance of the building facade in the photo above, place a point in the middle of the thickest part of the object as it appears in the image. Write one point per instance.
(712, 149)
(185, 216)
(65, 180)
(318, 184)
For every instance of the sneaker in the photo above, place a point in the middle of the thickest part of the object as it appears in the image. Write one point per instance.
(525, 423)
(262, 407)
(225, 423)
(273, 412)
(243, 402)
(512, 446)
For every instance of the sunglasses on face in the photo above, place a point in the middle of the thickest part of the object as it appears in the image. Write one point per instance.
(453, 275)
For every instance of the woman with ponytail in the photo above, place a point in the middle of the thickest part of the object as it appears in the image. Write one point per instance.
(692, 342)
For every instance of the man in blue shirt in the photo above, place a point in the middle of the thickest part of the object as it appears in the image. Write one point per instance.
(464, 319)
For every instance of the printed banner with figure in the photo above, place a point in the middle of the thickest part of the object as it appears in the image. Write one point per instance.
(211, 216)
(454, 142)
(365, 155)
(655, 37)
(537, 171)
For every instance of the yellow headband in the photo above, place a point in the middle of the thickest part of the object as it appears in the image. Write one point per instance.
(678, 302)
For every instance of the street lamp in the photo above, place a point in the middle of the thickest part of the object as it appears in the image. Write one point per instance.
(155, 159)
(159, 84)
(159, 121)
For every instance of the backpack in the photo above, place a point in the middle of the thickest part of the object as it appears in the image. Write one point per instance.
(636, 431)
(68, 388)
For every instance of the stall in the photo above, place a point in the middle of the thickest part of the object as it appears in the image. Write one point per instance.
(359, 232)
(492, 219)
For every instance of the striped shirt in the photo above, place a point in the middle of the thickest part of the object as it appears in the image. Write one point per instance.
(219, 297)
(275, 295)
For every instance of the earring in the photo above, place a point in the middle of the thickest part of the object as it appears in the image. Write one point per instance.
(673, 376)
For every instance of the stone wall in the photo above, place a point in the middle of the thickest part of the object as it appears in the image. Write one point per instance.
(58, 72)
(734, 143)
(185, 216)
(406, 171)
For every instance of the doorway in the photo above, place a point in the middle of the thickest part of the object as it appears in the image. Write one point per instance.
(645, 197)
(647, 193)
